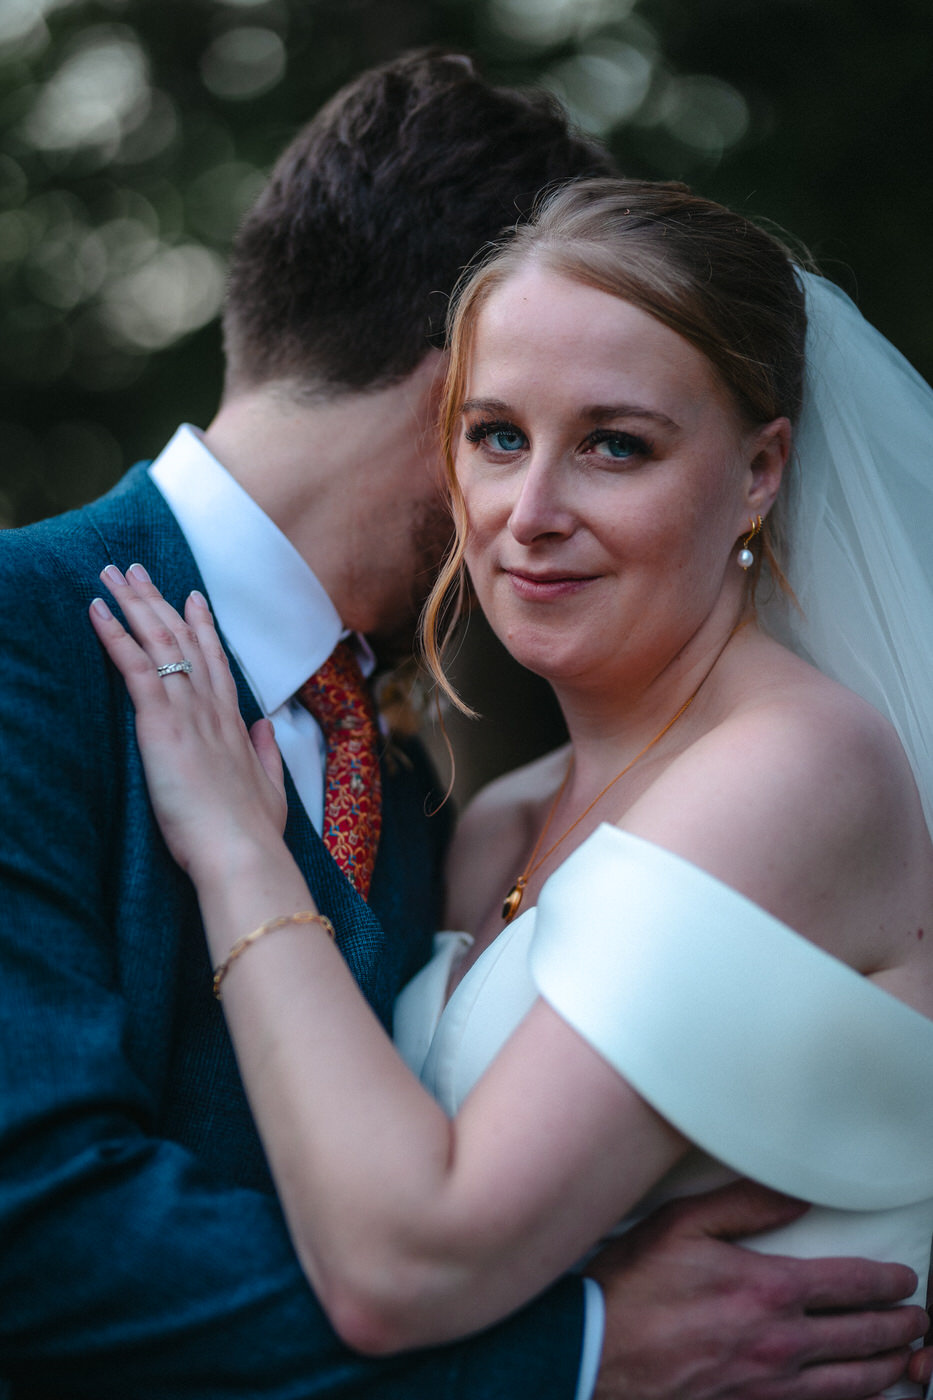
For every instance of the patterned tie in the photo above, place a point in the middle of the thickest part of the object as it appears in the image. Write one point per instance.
(339, 699)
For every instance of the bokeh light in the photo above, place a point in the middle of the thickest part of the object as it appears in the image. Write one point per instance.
(548, 22)
(603, 86)
(243, 63)
(175, 291)
(99, 91)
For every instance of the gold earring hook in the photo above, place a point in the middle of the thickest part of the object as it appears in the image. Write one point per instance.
(756, 526)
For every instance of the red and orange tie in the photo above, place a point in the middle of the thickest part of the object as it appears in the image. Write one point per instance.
(340, 700)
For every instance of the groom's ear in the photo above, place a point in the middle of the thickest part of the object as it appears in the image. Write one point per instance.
(770, 448)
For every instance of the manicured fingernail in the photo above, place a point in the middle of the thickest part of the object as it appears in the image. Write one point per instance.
(139, 572)
(112, 574)
(198, 598)
(100, 609)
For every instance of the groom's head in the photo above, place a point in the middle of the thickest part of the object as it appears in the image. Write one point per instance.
(341, 273)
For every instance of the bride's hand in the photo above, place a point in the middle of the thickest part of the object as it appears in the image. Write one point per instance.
(217, 789)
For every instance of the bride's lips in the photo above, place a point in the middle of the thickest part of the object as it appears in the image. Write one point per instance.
(544, 587)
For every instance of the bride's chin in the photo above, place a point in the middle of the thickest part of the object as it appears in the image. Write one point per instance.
(552, 658)
(550, 646)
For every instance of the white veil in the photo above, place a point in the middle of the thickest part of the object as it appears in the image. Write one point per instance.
(860, 523)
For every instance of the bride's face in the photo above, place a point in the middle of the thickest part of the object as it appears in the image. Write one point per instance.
(606, 476)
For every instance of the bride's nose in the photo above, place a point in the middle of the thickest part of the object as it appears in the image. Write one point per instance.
(543, 505)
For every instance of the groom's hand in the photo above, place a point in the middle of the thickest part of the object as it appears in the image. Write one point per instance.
(692, 1316)
(920, 1369)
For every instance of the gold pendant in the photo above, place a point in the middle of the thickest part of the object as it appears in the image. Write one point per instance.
(513, 900)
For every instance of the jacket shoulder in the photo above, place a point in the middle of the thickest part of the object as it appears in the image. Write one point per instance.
(68, 551)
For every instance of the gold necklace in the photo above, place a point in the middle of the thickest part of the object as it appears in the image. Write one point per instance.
(513, 899)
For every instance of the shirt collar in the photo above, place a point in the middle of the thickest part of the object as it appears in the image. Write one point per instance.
(276, 617)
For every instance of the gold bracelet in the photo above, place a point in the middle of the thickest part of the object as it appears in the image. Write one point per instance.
(306, 916)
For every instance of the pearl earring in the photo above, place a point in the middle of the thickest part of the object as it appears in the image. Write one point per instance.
(746, 558)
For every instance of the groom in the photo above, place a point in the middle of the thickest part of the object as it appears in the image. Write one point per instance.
(144, 1256)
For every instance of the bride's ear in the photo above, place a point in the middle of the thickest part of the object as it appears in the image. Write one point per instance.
(770, 448)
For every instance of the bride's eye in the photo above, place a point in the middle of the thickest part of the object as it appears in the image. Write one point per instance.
(620, 447)
(500, 436)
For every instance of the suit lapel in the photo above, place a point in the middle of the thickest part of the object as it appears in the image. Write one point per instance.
(359, 934)
(136, 524)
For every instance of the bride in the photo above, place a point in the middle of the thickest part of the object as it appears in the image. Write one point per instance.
(701, 935)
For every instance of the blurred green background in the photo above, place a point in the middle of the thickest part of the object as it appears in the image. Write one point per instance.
(136, 132)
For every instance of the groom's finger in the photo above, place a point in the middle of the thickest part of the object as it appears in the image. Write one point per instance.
(858, 1335)
(852, 1380)
(738, 1209)
(920, 1369)
(744, 1208)
(830, 1284)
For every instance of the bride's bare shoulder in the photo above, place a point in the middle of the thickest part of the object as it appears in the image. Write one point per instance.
(494, 833)
(786, 742)
(803, 799)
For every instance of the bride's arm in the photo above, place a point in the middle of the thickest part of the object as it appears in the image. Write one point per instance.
(412, 1228)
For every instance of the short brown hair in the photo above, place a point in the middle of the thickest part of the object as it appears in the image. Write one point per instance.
(341, 273)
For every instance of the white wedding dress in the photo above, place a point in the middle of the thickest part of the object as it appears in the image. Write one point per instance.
(778, 1061)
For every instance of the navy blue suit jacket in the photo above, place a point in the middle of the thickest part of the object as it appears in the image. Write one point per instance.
(142, 1252)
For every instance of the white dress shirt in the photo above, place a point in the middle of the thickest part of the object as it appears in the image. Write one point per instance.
(281, 626)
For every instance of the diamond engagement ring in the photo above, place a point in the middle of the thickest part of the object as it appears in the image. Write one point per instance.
(175, 668)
